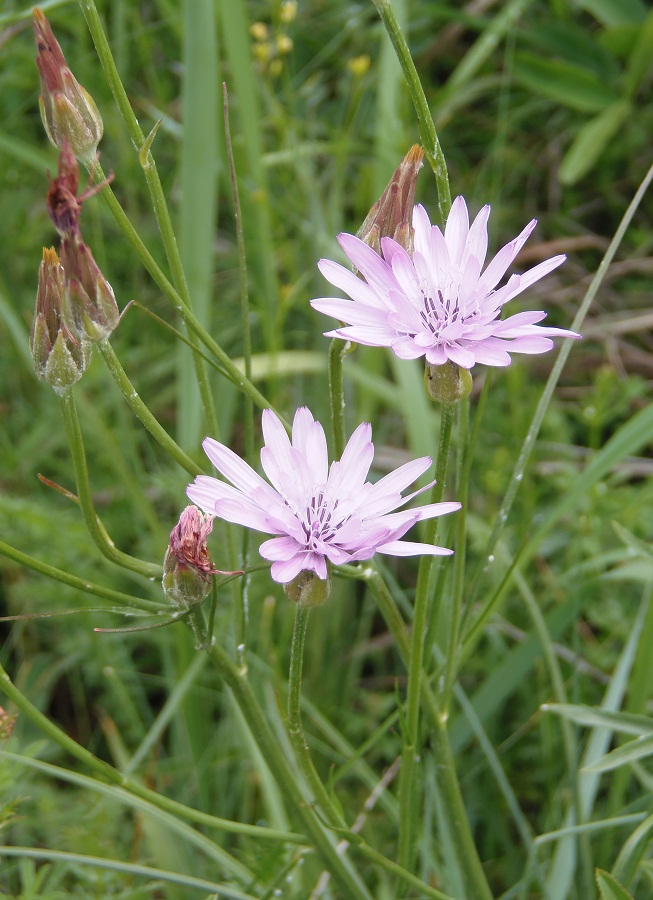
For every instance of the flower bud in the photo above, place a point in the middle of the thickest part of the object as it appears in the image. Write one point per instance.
(308, 589)
(448, 383)
(92, 307)
(67, 110)
(60, 357)
(392, 214)
(187, 568)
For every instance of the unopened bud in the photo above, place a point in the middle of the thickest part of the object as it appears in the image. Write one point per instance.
(448, 383)
(7, 722)
(392, 214)
(67, 110)
(187, 568)
(92, 306)
(60, 357)
(308, 589)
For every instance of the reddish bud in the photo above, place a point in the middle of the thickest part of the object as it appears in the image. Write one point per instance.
(92, 307)
(60, 357)
(391, 216)
(67, 110)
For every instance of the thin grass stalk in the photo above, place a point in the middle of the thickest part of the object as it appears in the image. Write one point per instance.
(545, 399)
(569, 740)
(192, 263)
(93, 524)
(155, 188)
(295, 724)
(341, 868)
(106, 771)
(468, 858)
(81, 584)
(408, 779)
(242, 600)
(142, 412)
(428, 134)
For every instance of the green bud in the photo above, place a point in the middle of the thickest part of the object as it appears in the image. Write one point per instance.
(448, 383)
(308, 589)
(67, 110)
(60, 357)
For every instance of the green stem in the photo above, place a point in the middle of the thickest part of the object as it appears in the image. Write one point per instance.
(339, 866)
(428, 134)
(461, 835)
(453, 648)
(337, 351)
(80, 584)
(408, 782)
(242, 599)
(295, 726)
(95, 528)
(141, 411)
(155, 188)
(106, 771)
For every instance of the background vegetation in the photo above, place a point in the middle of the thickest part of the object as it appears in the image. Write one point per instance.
(543, 109)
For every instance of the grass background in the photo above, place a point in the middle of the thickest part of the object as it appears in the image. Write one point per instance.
(542, 109)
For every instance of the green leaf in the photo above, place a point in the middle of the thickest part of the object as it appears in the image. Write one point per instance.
(609, 887)
(632, 851)
(615, 12)
(567, 83)
(626, 723)
(640, 61)
(591, 141)
(630, 752)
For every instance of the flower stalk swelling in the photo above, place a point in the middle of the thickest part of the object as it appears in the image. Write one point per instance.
(438, 303)
(318, 514)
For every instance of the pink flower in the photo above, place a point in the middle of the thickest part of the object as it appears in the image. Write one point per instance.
(318, 513)
(438, 303)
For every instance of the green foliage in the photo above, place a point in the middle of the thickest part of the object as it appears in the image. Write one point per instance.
(542, 109)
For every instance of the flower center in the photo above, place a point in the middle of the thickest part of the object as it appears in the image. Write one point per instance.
(317, 519)
(436, 312)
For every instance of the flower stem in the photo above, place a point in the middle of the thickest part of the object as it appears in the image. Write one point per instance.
(428, 134)
(295, 726)
(141, 411)
(178, 294)
(453, 649)
(95, 528)
(408, 781)
(113, 776)
(454, 806)
(337, 351)
(81, 584)
(340, 866)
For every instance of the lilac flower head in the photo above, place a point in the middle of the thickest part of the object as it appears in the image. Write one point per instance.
(438, 303)
(316, 512)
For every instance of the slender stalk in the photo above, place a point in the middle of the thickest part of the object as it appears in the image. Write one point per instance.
(453, 648)
(80, 584)
(141, 411)
(95, 528)
(408, 786)
(108, 772)
(467, 854)
(155, 188)
(428, 134)
(295, 726)
(340, 867)
(242, 610)
(337, 351)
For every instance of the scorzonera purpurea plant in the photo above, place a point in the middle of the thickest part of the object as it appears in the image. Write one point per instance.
(298, 518)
